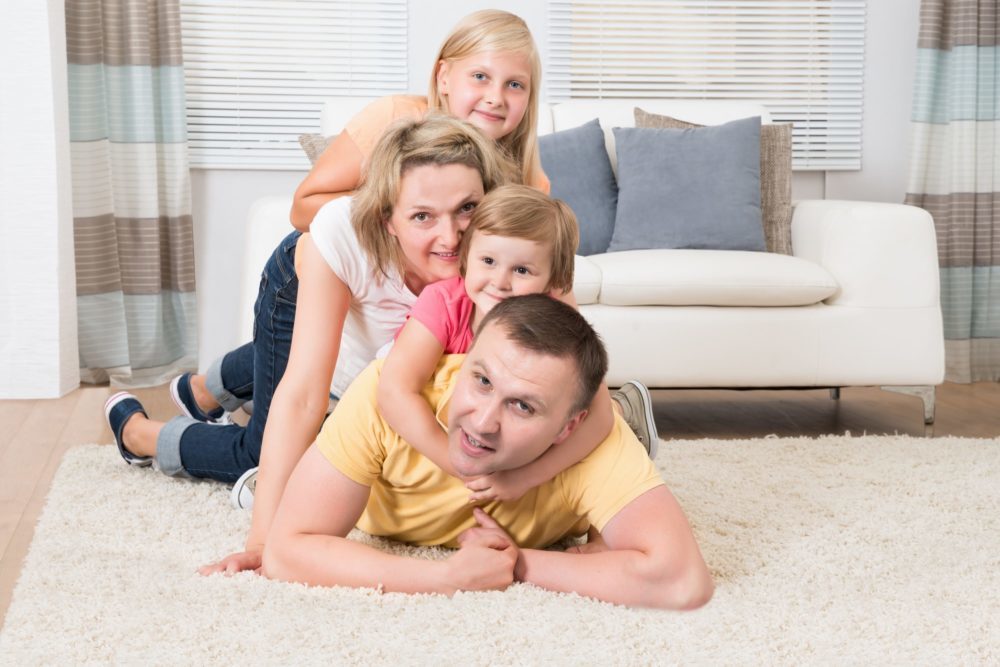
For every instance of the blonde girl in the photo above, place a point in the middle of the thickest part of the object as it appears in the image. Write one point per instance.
(486, 73)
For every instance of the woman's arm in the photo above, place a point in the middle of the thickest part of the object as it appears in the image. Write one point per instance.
(301, 400)
(410, 363)
(335, 174)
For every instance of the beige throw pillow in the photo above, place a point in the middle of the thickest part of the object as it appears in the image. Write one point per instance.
(775, 176)
(314, 145)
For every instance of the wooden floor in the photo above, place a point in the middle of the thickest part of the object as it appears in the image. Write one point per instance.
(35, 434)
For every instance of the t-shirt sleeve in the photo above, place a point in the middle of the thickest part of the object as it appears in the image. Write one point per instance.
(368, 124)
(541, 181)
(431, 310)
(335, 240)
(353, 438)
(367, 127)
(617, 472)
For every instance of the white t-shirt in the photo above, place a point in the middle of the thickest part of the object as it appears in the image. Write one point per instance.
(378, 305)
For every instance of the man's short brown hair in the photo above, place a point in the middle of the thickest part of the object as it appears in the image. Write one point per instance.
(544, 325)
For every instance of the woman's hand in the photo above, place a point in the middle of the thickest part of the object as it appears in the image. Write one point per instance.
(234, 563)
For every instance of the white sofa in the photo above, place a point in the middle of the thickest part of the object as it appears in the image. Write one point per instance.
(857, 303)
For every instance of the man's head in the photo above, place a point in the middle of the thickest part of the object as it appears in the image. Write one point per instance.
(525, 385)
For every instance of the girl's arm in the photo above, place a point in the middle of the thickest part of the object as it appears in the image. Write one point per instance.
(335, 174)
(511, 485)
(301, 400)
(410, 363)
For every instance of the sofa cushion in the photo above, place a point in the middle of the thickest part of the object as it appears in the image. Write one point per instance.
(579, 170)
(586, 281)
(775, 176)
(710, 278)
(696, 188)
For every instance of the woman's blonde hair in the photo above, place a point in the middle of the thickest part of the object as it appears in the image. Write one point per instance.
(522, 212)
(498, 31)
(437, 139)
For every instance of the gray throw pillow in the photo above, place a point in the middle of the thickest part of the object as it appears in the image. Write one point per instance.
(579, 170)
(775, 176)
(696, 188)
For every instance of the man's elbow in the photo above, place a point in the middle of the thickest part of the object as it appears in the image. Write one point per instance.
(685, 589)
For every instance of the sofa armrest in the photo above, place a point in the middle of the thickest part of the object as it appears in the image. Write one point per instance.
(882, 255)
(267, 224)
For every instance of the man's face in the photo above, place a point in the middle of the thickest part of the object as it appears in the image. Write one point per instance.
(509, 405)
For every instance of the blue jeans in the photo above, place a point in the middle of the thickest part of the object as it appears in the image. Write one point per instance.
(189, 448)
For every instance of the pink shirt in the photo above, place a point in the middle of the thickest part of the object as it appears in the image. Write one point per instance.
(446, 310)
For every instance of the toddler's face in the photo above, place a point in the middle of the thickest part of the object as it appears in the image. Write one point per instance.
(502, 266)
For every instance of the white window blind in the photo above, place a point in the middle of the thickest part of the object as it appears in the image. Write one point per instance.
(257, 72)
(802, 59)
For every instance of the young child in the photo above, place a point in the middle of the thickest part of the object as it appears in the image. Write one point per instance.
(519, 241)
(487, 73)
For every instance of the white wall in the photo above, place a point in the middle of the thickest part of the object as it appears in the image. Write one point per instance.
(38, 342)
(222, 198)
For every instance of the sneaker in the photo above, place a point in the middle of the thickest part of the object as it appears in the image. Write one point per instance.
(180, 391)
(637, 411)
(242, 493)
(118, 410)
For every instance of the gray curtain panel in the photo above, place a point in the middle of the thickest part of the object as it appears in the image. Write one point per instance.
(955, 175)
(131, 191)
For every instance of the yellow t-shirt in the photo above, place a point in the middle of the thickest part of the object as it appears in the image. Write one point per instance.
(412, 500)
(366, 128)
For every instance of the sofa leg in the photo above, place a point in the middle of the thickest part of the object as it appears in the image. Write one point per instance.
(923, 392)
(835, 393)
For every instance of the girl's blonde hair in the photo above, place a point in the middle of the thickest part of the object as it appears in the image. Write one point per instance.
(498, 31)
(437, 139)
(522, 212)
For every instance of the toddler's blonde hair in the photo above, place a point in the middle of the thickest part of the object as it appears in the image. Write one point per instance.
(522, 212)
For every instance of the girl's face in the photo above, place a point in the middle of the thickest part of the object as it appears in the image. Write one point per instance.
(503, 266)
(489, 90)
(432, 210)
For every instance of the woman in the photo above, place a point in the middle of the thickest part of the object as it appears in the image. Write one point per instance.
(329, 300)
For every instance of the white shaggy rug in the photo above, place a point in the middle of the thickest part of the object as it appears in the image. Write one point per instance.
(865, 550)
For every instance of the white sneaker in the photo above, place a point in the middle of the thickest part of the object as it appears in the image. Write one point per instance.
(637, 409)
(242, 493)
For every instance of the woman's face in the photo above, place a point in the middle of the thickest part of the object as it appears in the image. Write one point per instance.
(489, 90)
(432, 210)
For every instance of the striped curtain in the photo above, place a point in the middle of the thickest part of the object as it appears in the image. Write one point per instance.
(955, 174)
(131, 191)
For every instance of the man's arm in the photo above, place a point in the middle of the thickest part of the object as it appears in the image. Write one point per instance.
(308, 542)
(651, 560)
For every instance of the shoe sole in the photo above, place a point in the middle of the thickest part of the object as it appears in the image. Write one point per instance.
(137, 461)
(175, 396)
(237, 491)
(647, 408)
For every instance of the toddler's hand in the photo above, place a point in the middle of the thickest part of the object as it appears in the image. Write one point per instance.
(500, 485)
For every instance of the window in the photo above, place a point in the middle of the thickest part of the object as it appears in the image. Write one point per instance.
(802, 59)
(258, 71)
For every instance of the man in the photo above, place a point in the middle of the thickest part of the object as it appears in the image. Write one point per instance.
(523, 387)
